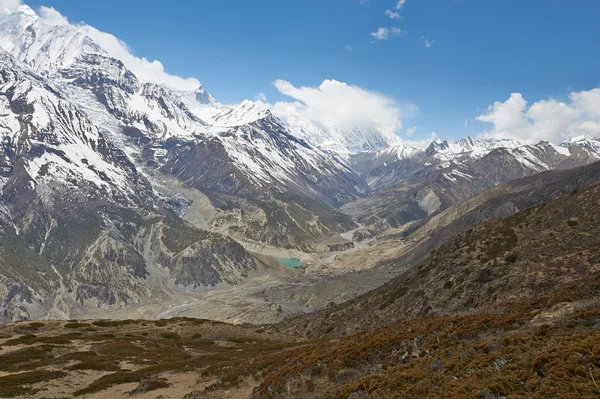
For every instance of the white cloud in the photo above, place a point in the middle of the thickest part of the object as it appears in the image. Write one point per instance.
(550, 120)
(9, 5)
(53, 17)
(150, 71)
(392, 14)
(411, 132)
(336, 103)
(400, 4)
(381, 33)
(384, 33)
(348, 47)
(426, 42)
(261, 97)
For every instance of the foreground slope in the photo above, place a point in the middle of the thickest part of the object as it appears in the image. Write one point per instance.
(538, 347)
(537, 250)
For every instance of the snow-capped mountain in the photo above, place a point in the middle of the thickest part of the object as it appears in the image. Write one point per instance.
(366, 161)
(473, 148)
(56, 144)
(586, 144)
(237, 115)
(247, 151)
(69, 58)
(98, 163)
(42, 46)
(78, 223)
(387, 166)
(415, 188)
(149, 112)
(343, 139)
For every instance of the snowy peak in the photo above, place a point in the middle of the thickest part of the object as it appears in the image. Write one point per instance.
(343, 139)
(474, 148)
(54, 144)
(437, 146)
(47, 46)
(194, 99)
(241, 114)
(44, 47)
(369, 160)
(482, 145)
(587, 143)
(401, 151)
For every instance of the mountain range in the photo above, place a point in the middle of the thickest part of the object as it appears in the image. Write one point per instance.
(504, 308)
(116, 190)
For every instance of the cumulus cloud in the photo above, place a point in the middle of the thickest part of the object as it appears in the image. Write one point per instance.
(384, 33)
(260, 97)
(426, 42)
(550, 120)
(150, 71)
(9, 5)
(411, 131)
(392, 14)
(336, 103)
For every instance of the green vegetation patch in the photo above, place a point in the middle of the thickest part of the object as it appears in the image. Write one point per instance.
(113, 323)
(17, 384)
(76, 325)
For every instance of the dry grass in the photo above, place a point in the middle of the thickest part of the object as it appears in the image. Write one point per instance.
(501, 351)
(494, 353)
(121, 352)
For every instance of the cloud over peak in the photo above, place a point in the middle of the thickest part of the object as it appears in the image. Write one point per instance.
(9, 5)
(150, 71)
(335, 103)
(52, 17)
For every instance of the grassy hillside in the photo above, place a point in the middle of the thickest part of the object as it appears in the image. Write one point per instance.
(533, 252)
(541, 347)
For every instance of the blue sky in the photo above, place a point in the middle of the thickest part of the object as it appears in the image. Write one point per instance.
(484, 50)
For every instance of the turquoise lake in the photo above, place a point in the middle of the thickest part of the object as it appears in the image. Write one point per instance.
(289, 262)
